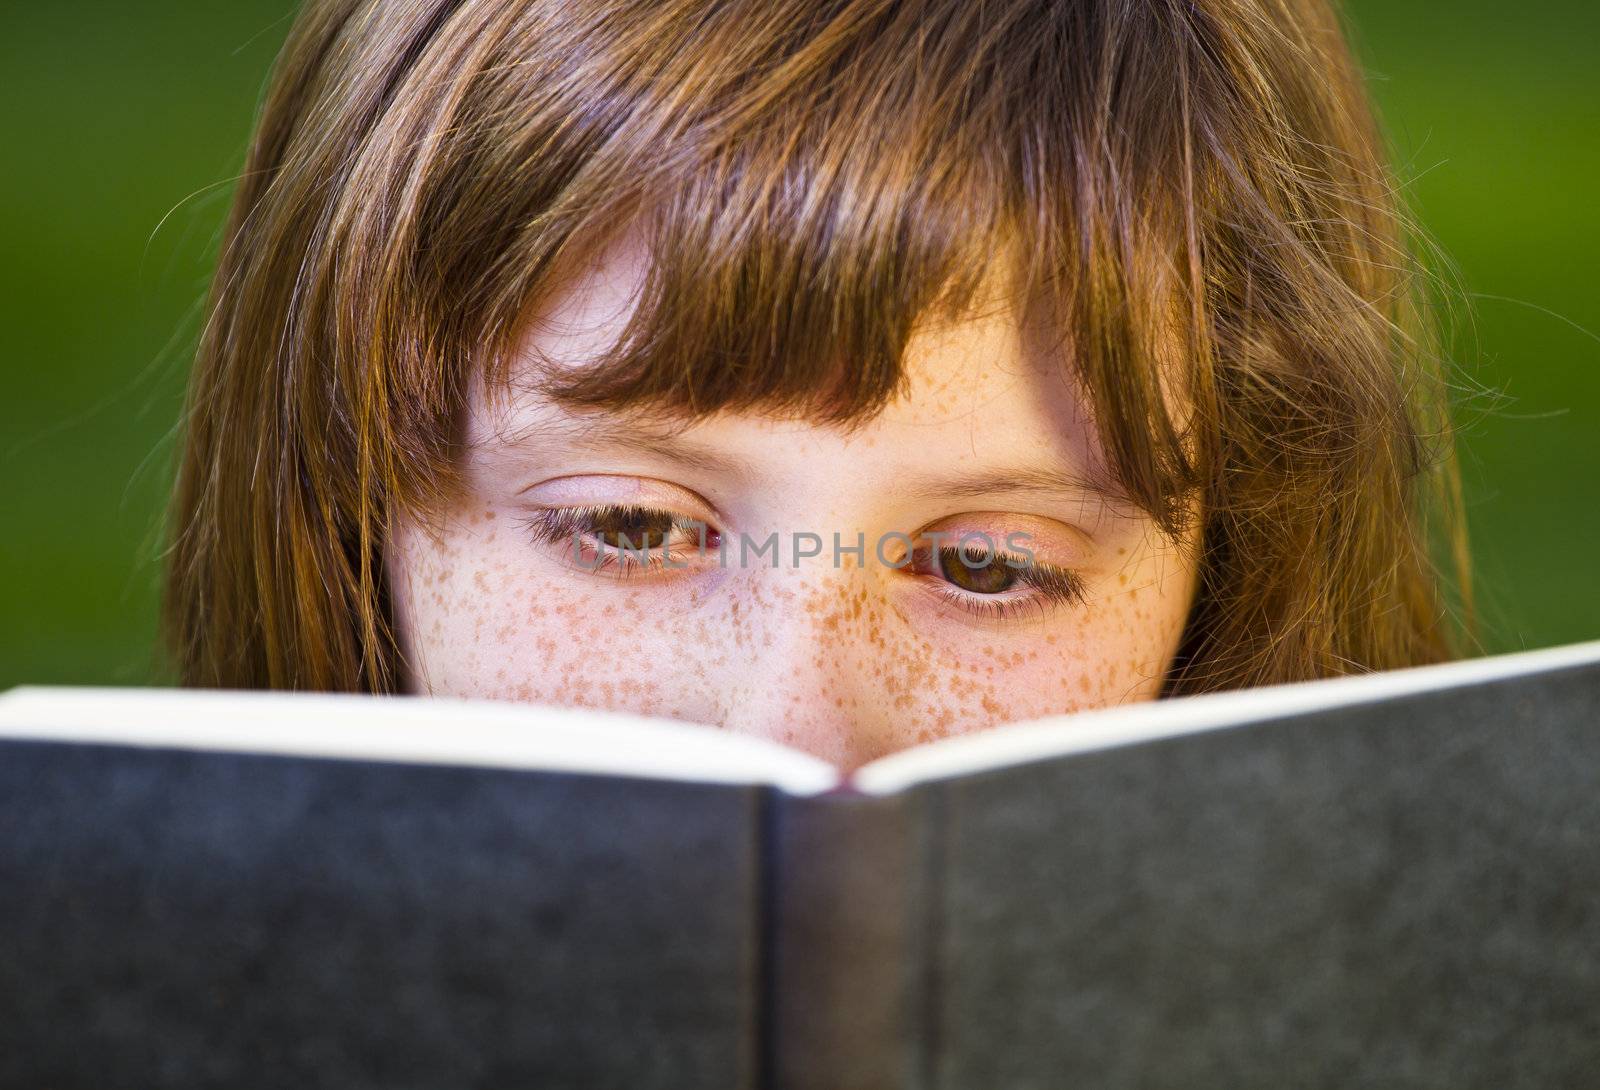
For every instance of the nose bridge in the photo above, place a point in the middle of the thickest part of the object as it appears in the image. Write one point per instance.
(814, 631)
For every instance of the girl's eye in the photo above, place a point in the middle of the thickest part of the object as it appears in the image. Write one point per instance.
(624, 537)
(631, 527)
(992, 583)
(976, 570)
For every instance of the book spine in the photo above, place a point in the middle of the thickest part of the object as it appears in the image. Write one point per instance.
(848, 931)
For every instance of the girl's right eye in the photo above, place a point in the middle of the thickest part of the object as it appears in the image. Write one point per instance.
(621, 538)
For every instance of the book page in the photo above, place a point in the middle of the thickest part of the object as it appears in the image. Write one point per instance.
(411, 729)
(1060, 736)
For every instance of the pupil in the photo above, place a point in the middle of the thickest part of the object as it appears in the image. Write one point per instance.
(976, 570)
(625, 529)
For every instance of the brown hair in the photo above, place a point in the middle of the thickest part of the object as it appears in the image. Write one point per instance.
(818, 177)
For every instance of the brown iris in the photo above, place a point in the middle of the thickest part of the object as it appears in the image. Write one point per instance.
(976, 570)
(631, 528)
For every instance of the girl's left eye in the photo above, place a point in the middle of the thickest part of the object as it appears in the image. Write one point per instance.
(994, 583)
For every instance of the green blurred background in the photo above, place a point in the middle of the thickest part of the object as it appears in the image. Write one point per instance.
(124, 123)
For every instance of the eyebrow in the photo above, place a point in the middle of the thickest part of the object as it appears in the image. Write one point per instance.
(637, 436)
(976, 485)
(645, 438)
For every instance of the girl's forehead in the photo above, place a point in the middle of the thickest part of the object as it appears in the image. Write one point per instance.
(995, 368)
(969, 386)
(1000, 375)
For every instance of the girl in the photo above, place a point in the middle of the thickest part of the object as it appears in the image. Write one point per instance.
(851, 372)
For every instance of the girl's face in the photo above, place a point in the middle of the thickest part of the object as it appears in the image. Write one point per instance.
(821, 611)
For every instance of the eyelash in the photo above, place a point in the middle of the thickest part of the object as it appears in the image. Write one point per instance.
(559, 526)
(1051, 584)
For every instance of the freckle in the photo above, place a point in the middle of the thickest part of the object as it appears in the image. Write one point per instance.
(488, 514)
(1122, 579)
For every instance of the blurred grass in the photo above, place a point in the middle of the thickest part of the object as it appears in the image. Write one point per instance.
(125, 123)
(114, 115)
(1494, 110)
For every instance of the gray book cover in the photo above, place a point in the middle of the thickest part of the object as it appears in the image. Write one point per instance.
(1385, 883)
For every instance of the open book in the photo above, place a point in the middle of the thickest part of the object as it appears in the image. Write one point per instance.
(1386, 880)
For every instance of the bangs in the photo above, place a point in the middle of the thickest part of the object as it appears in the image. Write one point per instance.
(789, 280)
(811, 222)
(813, 186)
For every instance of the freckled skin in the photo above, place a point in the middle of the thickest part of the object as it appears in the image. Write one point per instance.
(849, 662)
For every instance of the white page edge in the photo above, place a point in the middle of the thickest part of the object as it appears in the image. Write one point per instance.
(1130, 724)
(410, 730)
